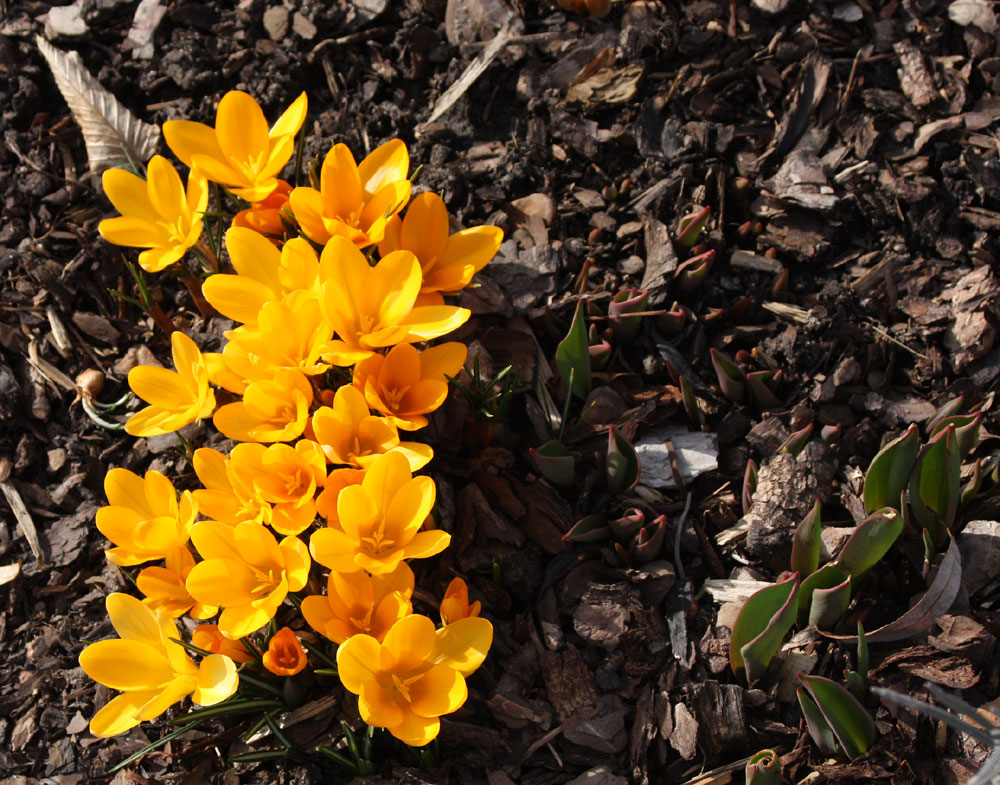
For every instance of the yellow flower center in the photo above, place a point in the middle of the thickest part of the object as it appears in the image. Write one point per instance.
(363, 624)
(402, 686)
(378, 543)
(250, 166)
(267, 581)
(393, 396)
(296, 482)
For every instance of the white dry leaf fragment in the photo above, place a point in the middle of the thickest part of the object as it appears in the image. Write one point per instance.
(107, 126)
(147, 17)
(974, 12)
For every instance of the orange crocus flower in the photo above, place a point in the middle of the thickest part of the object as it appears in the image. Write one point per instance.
(405, 384)
(264, 216)
(285, 655)
(240, 151)
(357, 603)
(446, 262)
(455, 604)
(354, 202)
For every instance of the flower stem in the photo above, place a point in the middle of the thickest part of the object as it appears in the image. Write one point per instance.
(193, 284)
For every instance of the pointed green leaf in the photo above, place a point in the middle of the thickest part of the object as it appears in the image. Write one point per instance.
(806, 542)
(889, 471)
(732, 380)
(870, 542)
(592, 528)
(691, 226)
(622, 465)
(555, 463)
(828, 605)
(816, 723)
(763, 622)
(573, 356)
(826, 577)
(850, 723)
(935, 486)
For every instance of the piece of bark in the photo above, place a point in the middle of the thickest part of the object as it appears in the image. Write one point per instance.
(661, 260)
(917, 82)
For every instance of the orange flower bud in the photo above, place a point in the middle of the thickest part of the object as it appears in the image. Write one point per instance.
(455, 604)
(284, 655)
(209, 638)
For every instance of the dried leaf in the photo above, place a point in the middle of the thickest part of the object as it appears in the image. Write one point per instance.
(974, 12)
(9, 572)
(920, 618)
(107, 125)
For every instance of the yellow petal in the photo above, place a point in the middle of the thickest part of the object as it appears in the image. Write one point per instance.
(443, 360)
(464, 643)
(254, 256)
(160, 387)
(410, 505)
(297, 561)
(440, 691)
(417, 731)
(172, 693)
(222, 582)
(120, 713)
(127, 192)
(408, 645)
(340, 183)
(358, 512)
(132, 232)
(154, 421)
(217, 170)
(378, 706)
(290, 121)
(392, 287)
(425, 227)
(475, 246)
(166, 192)
(217, 680)
(307, 206)
(426, 544)
(186, 139)
(237, 297)
(132, 620)
(126, 665)
(432, 321)
(242, 131)
(385, 164)
(156, 259)
(357, 659)
(384, 479)
(417, 454)
(334, 549)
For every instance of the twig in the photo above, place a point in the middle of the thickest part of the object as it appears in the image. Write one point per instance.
(24, 521)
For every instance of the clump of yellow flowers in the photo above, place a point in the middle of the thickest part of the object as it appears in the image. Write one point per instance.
(338, 281)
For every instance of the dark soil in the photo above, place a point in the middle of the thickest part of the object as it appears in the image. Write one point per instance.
(857, 139)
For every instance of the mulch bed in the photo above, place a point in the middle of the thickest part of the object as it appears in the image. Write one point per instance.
(850, 144)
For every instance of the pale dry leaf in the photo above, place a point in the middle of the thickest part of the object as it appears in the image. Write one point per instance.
(974, 12)
(9, 572)
(107, 125)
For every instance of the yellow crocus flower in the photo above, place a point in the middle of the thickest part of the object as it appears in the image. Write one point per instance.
(176, 398)
(405, 384)
(447, 262)
(246, 572)
(226, 497)
(380, 521)
(351, 435)
(264, 274)
(354, 202)
(239, 151)
(143, 517)
(406, 682)
(164, 587)
(357, 603)
(272, 410)
(285, 477)
(370, 308)
(151, 669)
(157, 213)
